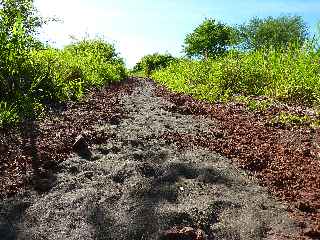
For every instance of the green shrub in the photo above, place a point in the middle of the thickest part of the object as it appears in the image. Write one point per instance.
(18, 24)
(71, 71)
(288, 119)
(8, 114)
(260, 106)
(61, 75)
(32, 75)
(292, 75)
(152, 62)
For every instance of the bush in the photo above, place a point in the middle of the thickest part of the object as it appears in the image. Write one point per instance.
(60, 75)
(31, 75)
(18, 24)
(69, 72)
(291, 75)
(152, 62)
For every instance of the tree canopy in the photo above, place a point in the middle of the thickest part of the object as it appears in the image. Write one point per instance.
(153, 62)
(209, 39)
(19, 22)
(279, 32)
(22, 11)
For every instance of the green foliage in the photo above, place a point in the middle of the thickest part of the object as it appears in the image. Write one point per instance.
(61, 75)
(280, 32)
(288, 119)
(200, 79)
(12, 10)
(18, 24)
(68, 73)
(8, 114)
(260, 106)
(136, 73)
(31, 75)
(291, 75)
(256, 105)
(106, 52)
(209, 39)
(152, 62)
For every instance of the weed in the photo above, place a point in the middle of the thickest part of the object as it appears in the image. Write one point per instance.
(288, 119)
(8, 114)
(259, 105)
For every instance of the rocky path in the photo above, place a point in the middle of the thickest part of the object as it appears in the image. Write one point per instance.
(139, 185)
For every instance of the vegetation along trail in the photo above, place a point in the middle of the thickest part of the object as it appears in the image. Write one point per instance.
(137, 179)
(220, 142)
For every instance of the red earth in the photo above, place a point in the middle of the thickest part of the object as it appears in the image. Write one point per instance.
(285, 159)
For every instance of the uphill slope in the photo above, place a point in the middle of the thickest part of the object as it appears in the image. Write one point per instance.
(139, 185)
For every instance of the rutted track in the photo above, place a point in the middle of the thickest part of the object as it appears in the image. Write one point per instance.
(138, 185)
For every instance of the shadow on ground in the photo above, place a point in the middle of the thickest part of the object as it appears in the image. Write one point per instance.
(137, 185)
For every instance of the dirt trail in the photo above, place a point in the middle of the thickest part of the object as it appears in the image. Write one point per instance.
(137, 185)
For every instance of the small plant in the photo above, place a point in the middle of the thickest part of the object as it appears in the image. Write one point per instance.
(241, 99)
(8, 114)
(253, 104)
(259, 105)
(288, 119)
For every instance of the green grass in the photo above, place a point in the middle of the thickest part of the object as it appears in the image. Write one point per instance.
(291, 76)
(289, 119)
(8, 114)
(253, 104)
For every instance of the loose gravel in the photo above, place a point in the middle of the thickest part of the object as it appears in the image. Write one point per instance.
(138, 185)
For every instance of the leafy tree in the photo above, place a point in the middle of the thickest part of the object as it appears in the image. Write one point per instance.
(11, 10)
(153, 62)
(279, 32)
(209, 39)
(18, 25)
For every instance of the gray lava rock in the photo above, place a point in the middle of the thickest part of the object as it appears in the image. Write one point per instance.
(3, 148)
(81, 147)
(115, 119)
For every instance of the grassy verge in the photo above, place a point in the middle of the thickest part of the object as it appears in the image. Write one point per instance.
(290, 76)
(53, 75)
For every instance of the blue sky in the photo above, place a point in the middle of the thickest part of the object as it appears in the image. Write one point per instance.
(140, 27)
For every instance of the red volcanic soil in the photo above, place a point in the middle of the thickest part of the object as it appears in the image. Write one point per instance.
(284, 159)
